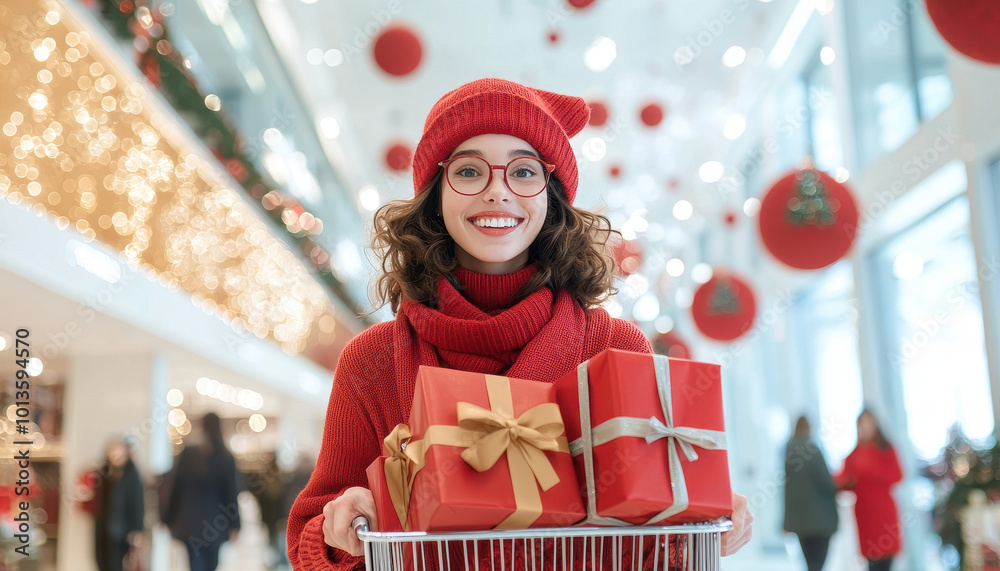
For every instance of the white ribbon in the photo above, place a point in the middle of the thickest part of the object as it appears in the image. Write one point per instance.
(650, 429)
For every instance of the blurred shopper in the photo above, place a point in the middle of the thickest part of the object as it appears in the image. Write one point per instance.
(201, 508)
(870, 471)
(810, 496)
(489, 268)
(294, 482)
(269, 490)
(118, 507)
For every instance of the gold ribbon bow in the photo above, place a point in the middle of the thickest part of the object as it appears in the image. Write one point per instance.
(488, 434)
(523, 439)
(397, 470)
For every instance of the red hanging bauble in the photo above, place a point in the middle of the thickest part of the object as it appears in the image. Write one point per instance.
(150, 67)
(808, 220)
(398, 50)
(971, 26)
(651, 114)
(615, 171)
(237, 169)
(724, 307)
(580, 3)
(598, 113)
(628, 254)
(398, 157)
(671, 345)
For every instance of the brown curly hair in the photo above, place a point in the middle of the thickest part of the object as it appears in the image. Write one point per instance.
(410, 237)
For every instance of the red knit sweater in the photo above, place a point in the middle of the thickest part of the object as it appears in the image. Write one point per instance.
(480, 330)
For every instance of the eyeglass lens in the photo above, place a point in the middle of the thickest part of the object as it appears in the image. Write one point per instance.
(525, 176)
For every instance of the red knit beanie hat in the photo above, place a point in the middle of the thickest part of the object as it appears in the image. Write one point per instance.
(544, 119)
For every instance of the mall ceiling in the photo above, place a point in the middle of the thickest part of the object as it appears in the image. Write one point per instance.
(666, 52)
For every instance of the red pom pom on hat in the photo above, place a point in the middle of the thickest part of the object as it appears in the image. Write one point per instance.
(545, 120)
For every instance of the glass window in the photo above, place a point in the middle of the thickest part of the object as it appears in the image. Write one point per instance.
(793, 126)
(898, 73)
(931, 62)
(826, 326)
(824, 119)
(885, 108)
(935, 328)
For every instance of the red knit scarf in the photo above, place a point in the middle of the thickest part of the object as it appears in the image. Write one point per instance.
(539, 338)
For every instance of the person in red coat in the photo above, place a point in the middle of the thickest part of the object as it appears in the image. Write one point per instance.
(870, 471)
(489, 268)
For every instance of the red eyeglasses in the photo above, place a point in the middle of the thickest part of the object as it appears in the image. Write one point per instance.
(469, 175)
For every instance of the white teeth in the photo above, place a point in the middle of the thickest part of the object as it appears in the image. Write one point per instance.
(495, 222)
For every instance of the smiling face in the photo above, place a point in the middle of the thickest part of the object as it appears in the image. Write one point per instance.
(493, 229)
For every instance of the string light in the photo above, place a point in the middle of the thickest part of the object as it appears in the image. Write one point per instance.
(85, 149)
(245, 398)
(257, 422)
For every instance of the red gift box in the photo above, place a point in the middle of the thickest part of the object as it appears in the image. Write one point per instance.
(385, 511)
(488, 452)
(389, 481)
(657, 447)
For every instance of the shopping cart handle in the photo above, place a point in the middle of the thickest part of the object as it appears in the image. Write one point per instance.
(725, 521)
(360, 524)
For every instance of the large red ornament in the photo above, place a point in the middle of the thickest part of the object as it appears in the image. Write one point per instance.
(628, 254)
(971, 26)
(651, 114)
(808, 220)
(598, 113)
(398, 157)
(398, 50)
(671, 345)
(580, 3)
(724, 307)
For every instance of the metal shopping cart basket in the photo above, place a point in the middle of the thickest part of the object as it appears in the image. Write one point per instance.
(688, 547)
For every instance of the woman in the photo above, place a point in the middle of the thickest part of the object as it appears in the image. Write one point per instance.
(489, 269)
(870, 471)
(810, 496)
(201, 508)
(118, 501)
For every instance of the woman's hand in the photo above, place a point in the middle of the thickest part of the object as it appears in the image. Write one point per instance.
(742, 531)
(339, 515)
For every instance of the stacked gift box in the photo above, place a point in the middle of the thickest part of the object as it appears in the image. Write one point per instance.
(625, 439)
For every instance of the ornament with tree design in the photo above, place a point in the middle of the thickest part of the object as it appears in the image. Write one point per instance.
(812, 203)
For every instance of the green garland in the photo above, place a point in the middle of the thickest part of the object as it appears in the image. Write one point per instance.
(164, 67)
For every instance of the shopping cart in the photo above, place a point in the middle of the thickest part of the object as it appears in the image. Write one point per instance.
(688, 547)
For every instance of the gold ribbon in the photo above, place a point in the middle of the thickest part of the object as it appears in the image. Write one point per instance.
(651, 429)
(488, 434)
(397, 470)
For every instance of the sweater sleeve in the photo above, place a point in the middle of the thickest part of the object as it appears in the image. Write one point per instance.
(627, 337)
(349, 444)
(846, 479)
